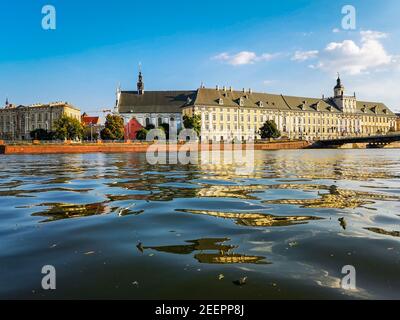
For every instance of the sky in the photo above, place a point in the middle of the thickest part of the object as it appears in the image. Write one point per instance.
(284, 47)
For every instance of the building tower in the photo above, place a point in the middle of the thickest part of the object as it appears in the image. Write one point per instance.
(140, 83)
(339, 88)
(347, 104)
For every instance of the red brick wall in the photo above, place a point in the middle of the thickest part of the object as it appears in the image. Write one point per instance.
(131, 147)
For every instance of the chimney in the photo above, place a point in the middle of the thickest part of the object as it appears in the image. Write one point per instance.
(243, 90)
(250, 91)
(217, 87)
(230, 89)
(224, 88)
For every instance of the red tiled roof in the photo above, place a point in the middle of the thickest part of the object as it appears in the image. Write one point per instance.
(90, 120)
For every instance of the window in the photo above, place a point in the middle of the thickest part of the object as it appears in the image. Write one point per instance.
(147, 122)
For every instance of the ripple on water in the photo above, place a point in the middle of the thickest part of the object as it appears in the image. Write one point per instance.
(289, 226)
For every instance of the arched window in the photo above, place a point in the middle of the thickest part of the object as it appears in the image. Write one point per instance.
(147, 121)
(159, 121)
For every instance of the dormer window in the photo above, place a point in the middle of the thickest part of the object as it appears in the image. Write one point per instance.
(188, 100)
(374, 109)
(220, 101)
(330, 108)
(385, 111)
(241, 102)
(260, 104)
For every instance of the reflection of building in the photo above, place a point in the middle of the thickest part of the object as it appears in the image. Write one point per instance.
(153, 107)
(16, 122)
(224, 255)
(227, 114)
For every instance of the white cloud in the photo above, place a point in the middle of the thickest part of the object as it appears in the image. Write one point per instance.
(305, 55)
(268, 82)
(372, 35)
(336, 30)
(244, 57)
(352, 58)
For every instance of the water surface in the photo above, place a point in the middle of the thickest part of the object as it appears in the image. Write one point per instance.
(114, 226)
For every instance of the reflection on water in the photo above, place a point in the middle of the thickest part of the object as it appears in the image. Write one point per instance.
(294, 222)
(59, 211)
(223, 256)
(338, 198)
(256, 219)
(385, 232)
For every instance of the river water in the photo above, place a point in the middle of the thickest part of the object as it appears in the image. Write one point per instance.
(114, 226)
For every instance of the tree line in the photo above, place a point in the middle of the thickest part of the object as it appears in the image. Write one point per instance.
(68, 128)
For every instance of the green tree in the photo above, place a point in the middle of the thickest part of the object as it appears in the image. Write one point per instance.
(68, 128)
(114, 128)
(269, 130)
(192, 123)
(141, 134)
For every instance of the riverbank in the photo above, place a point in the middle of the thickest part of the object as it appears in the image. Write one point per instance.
(131, 147)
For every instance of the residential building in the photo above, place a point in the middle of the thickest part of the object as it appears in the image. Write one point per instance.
(16, 122)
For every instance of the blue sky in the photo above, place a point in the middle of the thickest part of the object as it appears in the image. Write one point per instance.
(286, 46)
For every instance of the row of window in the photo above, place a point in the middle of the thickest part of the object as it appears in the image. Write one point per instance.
(37, 117)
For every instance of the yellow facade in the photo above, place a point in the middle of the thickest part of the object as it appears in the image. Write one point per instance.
(18, 122)
(228, 115)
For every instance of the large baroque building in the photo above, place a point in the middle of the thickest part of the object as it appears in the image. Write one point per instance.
(228, 115)
(16, 122)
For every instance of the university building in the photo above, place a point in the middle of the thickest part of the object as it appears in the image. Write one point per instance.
(16, 122)
(228, 115)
